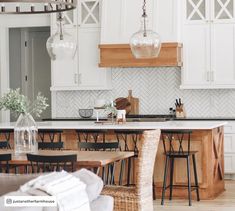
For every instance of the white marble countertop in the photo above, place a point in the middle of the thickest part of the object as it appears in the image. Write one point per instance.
(171, 125)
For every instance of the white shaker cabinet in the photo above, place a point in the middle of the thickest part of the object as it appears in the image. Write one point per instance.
(196, 65)
(82, 72)
(165, 15)
(90, 76)
(122, 18)
(64, 73)
(223, 55)
(208, 44)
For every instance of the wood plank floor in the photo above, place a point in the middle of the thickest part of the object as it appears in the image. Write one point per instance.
(225, 202)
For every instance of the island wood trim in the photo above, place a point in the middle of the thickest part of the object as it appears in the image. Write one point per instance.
(119, 55)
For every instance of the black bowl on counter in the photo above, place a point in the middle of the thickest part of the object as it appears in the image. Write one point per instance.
(85, 113)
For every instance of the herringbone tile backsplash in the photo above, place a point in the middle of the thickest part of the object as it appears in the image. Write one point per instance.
(157, 89)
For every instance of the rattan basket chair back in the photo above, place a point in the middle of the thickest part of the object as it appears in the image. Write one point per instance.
(140, 196)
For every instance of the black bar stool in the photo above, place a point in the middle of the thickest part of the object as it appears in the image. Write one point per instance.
(123, 136)
(109, 146)
(6, 133)
(50, 139)
(4, 163)
(94, 139)
(5, 144)
(176, 145)
(91, 135)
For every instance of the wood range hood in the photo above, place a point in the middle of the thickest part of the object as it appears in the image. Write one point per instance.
(119, 55)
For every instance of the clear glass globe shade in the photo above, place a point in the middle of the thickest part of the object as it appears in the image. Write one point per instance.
(61, 47)
(145, 44)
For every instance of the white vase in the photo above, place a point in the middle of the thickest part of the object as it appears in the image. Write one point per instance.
(25, 135)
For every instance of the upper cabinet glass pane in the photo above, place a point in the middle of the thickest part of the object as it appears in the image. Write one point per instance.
(223, 9)
(90, 12)
(196, 9)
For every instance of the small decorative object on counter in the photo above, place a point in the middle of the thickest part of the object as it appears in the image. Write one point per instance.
(122, 103)
(99, 106)
(100, 103)
(121, 116)
(25, 131)
(172, 113)
(179, 109)
(111, 111)
(85, 113)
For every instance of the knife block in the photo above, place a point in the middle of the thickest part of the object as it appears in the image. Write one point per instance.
(180, 111)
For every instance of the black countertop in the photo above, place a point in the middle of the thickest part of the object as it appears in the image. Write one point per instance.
(149, 116)
(205, 119)
(72, 119)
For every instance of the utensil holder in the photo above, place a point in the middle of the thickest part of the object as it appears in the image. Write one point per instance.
(180, 111)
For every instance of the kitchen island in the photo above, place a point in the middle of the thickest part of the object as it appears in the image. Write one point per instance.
(207, 138)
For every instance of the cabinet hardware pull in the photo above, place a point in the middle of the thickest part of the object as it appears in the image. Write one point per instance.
(75, 78)
(212, 76)
(207, 76)
(79, 78)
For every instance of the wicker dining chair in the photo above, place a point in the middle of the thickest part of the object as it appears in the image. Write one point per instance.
(140, 196)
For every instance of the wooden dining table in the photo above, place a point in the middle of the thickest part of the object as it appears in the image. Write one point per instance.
(85, 159)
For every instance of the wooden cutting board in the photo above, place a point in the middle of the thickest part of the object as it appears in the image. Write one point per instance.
(123, 104)
(134, 103)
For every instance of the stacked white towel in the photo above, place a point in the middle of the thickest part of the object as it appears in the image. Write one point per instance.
(66, 187)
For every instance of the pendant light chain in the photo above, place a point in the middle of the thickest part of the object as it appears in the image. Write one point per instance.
(144, 17)
(60, 19)
(144, 9)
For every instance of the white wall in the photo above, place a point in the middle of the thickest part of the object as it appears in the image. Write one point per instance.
(15, 58)
(32, 61)
(4, 67)
(14, 21)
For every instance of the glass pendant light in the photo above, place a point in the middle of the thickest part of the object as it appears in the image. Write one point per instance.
(61, 45)
(145, 43)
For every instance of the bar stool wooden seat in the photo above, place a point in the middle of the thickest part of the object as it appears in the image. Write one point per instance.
(176, 145)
